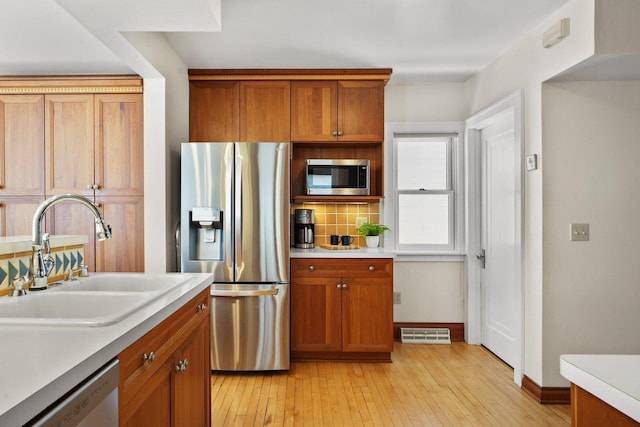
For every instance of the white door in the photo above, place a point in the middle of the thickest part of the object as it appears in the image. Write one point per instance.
(499, 279)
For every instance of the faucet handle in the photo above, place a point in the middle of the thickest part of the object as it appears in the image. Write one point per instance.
(16, 287)
(46, 243)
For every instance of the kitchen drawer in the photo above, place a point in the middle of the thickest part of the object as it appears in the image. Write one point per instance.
(162, 341)
(341, 267)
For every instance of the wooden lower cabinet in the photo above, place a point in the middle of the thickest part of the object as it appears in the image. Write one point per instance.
(589, 411)
(342, 308)
(165, 375)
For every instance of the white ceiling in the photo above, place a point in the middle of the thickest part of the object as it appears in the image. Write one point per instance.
(446, 40)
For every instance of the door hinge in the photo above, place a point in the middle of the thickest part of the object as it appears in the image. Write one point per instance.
(481, 256)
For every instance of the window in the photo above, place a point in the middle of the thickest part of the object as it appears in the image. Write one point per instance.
(427, 197)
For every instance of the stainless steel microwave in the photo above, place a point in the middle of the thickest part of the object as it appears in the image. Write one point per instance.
(337, 177)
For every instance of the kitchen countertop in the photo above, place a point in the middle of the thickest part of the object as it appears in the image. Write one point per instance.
(39, 364)
(318, 252)
(613, 378)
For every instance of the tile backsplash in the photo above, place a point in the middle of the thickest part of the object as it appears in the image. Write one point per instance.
(340, 219)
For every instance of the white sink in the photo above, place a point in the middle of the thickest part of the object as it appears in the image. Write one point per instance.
(101, 299)
(69, 308)
(124, 282)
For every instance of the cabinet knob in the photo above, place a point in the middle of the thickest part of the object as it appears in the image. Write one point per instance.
(93, 187)
(339, 286)
(345, 286)
(201, 307)
(372, 268)
(182, 365)
(334, 133)
(311, 268)
(149, 357)
(340, 133)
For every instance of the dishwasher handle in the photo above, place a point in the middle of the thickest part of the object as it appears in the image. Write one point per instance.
(243, 293)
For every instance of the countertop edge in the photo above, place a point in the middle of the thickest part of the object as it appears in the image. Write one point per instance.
(609, 393)
(40, 399)
(318, 252)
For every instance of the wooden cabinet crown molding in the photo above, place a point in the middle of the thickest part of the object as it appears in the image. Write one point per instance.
(292, 74)
(19, 85)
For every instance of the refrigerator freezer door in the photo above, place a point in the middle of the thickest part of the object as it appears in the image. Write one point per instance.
(249, 327)
(262, 212)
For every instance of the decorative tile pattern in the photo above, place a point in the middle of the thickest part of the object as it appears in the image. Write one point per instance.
(18, 265)
(340, 219)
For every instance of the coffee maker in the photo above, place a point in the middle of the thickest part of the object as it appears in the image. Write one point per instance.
(304, 229)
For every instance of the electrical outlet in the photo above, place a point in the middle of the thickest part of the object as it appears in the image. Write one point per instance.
(397, 299)
(580, 232)
(360, 220)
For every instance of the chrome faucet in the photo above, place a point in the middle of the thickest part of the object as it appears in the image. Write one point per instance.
(41, 261)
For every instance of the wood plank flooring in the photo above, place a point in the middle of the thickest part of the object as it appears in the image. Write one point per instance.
(426, 385)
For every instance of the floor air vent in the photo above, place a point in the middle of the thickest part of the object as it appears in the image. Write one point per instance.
(426, 335)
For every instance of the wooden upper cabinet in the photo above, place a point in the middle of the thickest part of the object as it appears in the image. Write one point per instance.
(331, 111)
(314, 111)
(21, 147)
(214, 111)
(265, 110)
(361, 111)
(119, 144)
(125, 250)
(69, 144)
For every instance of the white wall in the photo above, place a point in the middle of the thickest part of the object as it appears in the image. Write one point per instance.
(525, 66)
(591, 293)
(166, 125)
(431, 291)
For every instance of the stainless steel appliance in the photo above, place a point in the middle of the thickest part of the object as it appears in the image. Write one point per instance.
(304, 229)
(235, 224)
(92, 403)
(338, 177)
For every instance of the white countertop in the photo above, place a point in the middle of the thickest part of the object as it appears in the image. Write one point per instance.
(613, 378)
(318, 252)
(39, 364)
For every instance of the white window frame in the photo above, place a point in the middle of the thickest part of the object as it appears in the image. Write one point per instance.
(455, 131)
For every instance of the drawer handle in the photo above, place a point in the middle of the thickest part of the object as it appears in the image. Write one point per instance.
(149, 357)
(182, 365)
(372, 268)
(311, 268)
(201, 307)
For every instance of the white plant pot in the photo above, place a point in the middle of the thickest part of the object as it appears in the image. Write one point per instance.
(372, 241)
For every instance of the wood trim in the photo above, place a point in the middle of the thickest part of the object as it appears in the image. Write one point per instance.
(341, 356)
(547, 395)
(291, 74)
(20, 85)
(456, 329)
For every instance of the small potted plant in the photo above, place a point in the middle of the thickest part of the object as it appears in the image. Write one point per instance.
(371, 233)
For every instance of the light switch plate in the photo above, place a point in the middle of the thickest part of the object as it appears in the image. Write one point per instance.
(579, 232)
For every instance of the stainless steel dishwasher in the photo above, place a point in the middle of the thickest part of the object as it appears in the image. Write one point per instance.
(93, 403)
(249, 327)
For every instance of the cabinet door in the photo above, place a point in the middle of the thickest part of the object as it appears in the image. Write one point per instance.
(119, 140)
(214, 111)
(192, 387)
(69, 144)
(367, 314)
(315, 314)
(125, 250)
(151, 406)
(21, 145)
(265, 113)
(314, 115)
(73, 218)
(361, 111)
(16, 214)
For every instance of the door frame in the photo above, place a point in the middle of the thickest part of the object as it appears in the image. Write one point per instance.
(512, 105)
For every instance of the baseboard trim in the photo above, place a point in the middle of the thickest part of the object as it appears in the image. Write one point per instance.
(456, 329)
(547, 395)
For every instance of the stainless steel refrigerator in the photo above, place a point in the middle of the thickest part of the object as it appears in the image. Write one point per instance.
(235, 224)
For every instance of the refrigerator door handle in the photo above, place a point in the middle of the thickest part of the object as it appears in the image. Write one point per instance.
(240, 293)
(238, 221)
(229, 257)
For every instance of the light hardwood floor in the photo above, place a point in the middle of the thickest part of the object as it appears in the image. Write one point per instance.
(426, 385)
